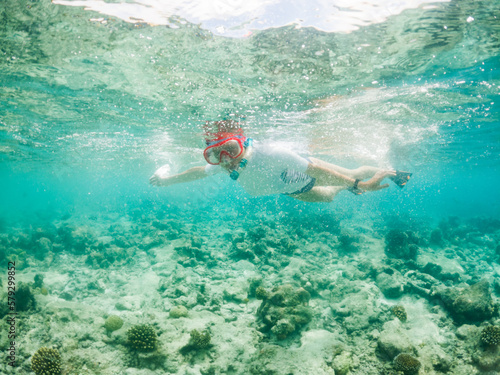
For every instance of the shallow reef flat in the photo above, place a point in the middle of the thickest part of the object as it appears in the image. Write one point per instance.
(169, 293)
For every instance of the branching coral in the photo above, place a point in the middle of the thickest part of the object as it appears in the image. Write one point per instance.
(46, 361)
(490, 335)
(142, 337)
(407, 364)
(198, 341)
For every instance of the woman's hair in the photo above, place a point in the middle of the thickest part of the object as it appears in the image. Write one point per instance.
(215, 130)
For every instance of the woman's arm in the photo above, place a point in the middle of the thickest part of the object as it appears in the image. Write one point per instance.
(191, 174)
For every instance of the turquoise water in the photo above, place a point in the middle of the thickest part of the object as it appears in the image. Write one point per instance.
(91, 105)
(95, 97)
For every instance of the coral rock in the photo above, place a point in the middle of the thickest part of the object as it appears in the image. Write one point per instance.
(393, 340)
(284, 311)
(472, 304)
(401, 245)
(391, 286)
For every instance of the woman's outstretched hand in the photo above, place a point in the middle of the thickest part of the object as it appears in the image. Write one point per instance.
(156, 180)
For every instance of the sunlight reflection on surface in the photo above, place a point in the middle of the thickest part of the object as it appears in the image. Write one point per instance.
(239, 18)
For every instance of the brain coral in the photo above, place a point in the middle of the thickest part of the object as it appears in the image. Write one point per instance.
(113, 323)
(46, 361)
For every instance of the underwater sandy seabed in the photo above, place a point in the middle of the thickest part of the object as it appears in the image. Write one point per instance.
(301, 294)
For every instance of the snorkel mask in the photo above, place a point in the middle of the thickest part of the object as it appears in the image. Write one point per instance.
(223, 138)
(232, 147)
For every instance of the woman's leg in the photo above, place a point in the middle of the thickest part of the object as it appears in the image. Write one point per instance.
(319, 194)
(360, 173)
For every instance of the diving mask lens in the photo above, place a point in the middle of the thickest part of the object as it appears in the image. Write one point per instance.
(230, 147)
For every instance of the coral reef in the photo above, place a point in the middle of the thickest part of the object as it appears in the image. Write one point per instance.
(406, 363)
(76, 239)
(222, 278)
(391, 283)
(142, 337)
(97, 259)
(471, 304)
(288, 246)
(343, 363)
(437, 237)
(46, 361)
(193, 252)
(171, 229)
(401, 244)
(262, 293)
(42, 247)
(348, 243)
(105, 255)
(261, 244)
(257, 233)
(489, 360)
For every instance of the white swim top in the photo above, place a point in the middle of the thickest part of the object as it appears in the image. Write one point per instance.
(270, 170)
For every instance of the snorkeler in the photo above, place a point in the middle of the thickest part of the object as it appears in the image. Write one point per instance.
(266, 169)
